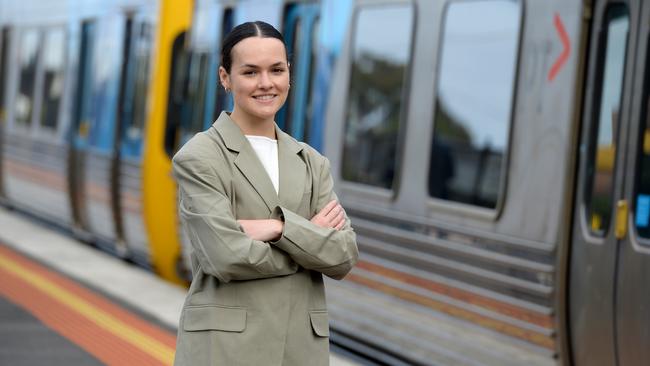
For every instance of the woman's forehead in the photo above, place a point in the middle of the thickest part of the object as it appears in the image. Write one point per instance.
(259, 51)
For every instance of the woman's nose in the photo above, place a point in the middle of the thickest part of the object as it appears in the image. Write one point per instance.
(264, 81)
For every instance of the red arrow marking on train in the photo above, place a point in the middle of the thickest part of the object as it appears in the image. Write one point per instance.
(564, 38)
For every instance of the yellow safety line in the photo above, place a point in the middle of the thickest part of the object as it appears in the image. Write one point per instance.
(103, 319)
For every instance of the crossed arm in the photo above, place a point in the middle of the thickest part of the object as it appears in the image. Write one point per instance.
(326, 243)
(331, 216)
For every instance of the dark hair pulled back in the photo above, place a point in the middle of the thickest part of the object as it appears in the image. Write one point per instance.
(243, 31)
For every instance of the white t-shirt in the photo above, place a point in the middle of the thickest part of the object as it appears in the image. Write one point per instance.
(267, 152)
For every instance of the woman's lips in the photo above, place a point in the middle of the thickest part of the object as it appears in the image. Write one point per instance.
(264, 97)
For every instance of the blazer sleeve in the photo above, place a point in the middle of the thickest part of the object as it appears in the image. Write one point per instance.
(222, 248)
(329, 251)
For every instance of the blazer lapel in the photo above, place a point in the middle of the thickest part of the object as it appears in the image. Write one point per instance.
(247, 161)
(293, 171)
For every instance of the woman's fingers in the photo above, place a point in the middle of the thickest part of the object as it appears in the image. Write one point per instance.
(330, 216)
(341, 222)
(328, 208)
(337, 217)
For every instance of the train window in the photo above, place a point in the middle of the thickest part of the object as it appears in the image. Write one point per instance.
(300, 31)
(82, 111)
(474, 101)
(142, 62)
(176, 96)
(54, 67)
(222, 100)
(28, 56)
(193, 121)
(602, 147)
(138, 78)
(105, 82)
(4, 43)
(380, 61)
(295, 34)
(309, 113)
(642, 187)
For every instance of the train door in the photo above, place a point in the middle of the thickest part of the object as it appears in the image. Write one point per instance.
(632, 304)
(598, 220)
(131, 115)
(190, 104)
(4, 58)
(80, 122)
(94, 136)
(300, 32)
(202, 98)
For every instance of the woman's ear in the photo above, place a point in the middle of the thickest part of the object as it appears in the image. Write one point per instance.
(224, 78)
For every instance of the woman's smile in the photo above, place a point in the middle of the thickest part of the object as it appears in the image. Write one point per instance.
(265, 97)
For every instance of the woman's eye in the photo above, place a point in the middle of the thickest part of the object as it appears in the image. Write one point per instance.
(278, 71)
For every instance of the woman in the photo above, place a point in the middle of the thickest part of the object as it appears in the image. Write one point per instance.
(263, 221)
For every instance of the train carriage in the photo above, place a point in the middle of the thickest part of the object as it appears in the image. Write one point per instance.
(84, 96)
(474, 145)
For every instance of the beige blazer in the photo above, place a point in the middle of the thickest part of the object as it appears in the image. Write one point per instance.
(253, 302)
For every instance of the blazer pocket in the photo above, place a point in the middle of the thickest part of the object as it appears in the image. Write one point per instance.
(319, 323)
(214, 317)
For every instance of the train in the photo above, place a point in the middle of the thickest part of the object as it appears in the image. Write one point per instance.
(491, 155)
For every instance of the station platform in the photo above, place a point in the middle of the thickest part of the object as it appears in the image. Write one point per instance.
(63, 302)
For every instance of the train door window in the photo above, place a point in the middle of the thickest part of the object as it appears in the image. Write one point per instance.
(138, 47)
(126, 103)
(193, 120)
(293, 38)
(602, 147)
(105, 83)
(176, 96)
(474, 101)
(144, 45)
(222, 100)
(3, 71)
(84, 80)
(28, 59)
(300, 29)
(642, 174)
(53, 69)
(381, 58)
(309, 113)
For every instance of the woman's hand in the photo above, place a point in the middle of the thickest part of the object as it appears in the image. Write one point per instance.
(331, 216)
(262, 230)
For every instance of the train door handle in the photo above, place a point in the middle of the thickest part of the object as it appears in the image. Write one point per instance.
(621, 219)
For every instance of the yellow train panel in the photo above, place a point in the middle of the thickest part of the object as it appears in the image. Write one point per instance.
(159, 187)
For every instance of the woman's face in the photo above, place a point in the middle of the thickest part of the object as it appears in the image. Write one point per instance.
(259, 77)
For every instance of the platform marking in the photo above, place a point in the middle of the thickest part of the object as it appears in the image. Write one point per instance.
(144, 342)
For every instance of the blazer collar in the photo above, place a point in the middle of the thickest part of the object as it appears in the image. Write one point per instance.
(293, 170)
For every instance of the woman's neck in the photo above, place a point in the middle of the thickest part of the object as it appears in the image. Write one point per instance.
(252, 126)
